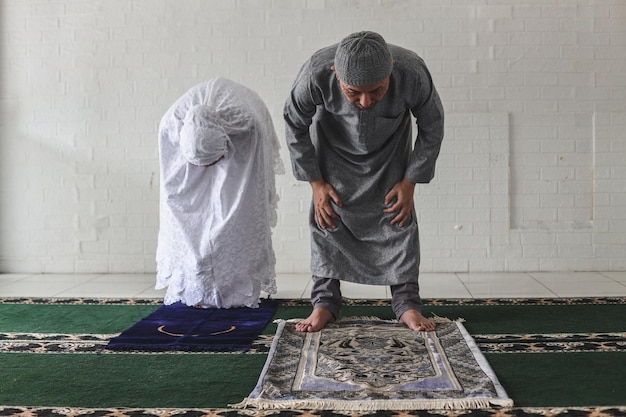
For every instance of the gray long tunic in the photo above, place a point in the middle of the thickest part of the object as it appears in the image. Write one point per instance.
(363, 154)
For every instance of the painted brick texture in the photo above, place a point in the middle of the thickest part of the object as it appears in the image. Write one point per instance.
(532, 173)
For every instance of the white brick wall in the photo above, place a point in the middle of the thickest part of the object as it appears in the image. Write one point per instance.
(532, 174)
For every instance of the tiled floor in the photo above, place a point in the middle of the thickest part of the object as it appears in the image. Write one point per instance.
(433, 285)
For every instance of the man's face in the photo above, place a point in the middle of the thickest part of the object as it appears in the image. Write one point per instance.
(365, 97)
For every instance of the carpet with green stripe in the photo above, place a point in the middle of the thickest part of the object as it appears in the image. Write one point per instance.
(563, 355)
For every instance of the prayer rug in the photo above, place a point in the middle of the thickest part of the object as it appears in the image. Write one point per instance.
(371, 364)
(180, 327)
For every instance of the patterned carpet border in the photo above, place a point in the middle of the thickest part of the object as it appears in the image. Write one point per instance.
(347, 301)
(7, 411)
(44, 343)
(499, 343)
(80, 300)
(551, 343)
(529, 343)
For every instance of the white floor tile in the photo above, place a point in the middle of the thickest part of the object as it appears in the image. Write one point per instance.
(292, 286)
(43, 285)
(495, 277)
(503, 285)
(15, 276)
(615, 276)
(102, 287)
(442, 285)
(487, 291)
(150, 292)
(126, 278)
(432, 285)
(518, 287)
(11, 278)
(31, 290)
(353, 290)
(596, 289)
(580, 284)
(569, 277)
(68, 279)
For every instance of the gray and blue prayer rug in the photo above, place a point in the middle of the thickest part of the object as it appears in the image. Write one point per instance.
(368, 364)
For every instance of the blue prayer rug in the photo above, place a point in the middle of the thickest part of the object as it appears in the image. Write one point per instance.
(369, 364)
(180, 327)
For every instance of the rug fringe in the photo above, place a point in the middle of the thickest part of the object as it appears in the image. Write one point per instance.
(376, 405)
(439, 319)
(434, 317)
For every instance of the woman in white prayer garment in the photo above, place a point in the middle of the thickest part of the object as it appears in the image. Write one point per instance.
(218, 153)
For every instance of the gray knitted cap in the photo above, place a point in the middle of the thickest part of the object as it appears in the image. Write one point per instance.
(363, 58)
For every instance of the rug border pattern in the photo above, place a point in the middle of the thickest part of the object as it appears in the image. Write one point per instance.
(274, 389)
(22, 411)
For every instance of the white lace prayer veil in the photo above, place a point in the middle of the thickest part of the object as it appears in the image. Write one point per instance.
(203, 140)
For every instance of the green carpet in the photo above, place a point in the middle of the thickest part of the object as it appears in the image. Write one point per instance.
(158, 380)
(482, 318)
(561, 380)
(104, 379)
(70, 318)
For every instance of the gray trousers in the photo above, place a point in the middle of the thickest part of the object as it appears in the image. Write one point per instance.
(326, 293)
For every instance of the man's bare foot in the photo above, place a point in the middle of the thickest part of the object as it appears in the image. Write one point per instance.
(318, 319)
(415, 321)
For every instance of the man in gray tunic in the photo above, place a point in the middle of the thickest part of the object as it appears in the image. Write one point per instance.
(348, 128)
